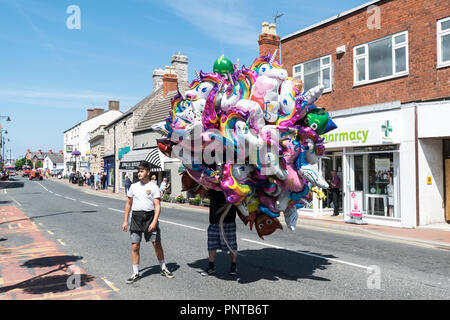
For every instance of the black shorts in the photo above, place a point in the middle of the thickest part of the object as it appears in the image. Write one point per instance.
(140, 222)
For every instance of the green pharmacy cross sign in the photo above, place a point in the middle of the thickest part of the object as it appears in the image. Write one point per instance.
(386, 128)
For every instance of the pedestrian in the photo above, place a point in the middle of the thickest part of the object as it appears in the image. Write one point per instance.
(97, 181)
(154, 180)
(127, 184)
(144, 202)
(103, 181)
(335, 184)
(92, 180)
(215, 239)
(163, 187)
(88, 178)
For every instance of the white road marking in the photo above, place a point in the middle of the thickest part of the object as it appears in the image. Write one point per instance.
(263, 243)
(312, 255)
(5, 191)
(121, 211)
(58, 195)
(16, 201)
(60, 241)
(110, 284)
(91, 204)
(50, 232)
(69, 198)
(42, 186)
(182, 225)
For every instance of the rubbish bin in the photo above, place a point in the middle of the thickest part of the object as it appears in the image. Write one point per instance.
(80, 181)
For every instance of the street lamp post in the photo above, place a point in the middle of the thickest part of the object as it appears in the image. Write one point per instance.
(3, 143)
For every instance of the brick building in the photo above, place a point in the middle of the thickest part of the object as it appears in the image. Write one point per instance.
(385, 68)
(97, 151)
(77, 137)
(119, 137)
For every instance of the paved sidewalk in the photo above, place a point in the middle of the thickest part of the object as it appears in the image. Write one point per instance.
(434, 236)
(34, 268)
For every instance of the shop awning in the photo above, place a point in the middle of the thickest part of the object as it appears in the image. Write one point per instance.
(132, 159)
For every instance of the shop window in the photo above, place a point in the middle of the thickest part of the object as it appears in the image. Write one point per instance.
(443, 42)
(381, 59)
(374, 171)
(314, 72)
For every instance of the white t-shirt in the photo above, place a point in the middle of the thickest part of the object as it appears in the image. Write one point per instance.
(143, 195)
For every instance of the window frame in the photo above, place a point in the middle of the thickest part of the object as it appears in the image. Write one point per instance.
(365, 55)
(439, 35)
(322, 67)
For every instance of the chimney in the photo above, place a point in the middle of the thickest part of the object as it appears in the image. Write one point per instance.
(170, 80)
(39, 151)
(92, 113)
(269, 41)
(157, 78)
(113, 105)
(50, 151)
(60, 152)
(28, 150)
(180, 63)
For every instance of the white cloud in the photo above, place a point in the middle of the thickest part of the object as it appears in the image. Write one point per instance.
(225, 21)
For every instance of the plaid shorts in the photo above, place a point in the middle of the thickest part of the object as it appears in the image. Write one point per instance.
(215, 239)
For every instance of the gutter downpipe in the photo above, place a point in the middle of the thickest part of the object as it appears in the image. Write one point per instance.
(114, 177)
(416, 151)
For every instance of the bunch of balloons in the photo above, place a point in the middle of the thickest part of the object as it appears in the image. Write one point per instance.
(252, 133)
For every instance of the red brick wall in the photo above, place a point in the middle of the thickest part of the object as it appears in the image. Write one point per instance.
(424, 81)
(268, 43)
(169, 83)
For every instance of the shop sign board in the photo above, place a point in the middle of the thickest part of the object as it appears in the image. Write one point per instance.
(356, 201)
(359, 134)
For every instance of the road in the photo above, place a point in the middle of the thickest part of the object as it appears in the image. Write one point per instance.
(306, 264)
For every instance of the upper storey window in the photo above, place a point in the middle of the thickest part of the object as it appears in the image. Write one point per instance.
(443, 42)
(381, 59)
(314, 72)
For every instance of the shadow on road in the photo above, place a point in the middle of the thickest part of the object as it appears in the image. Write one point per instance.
(44, 283)
(48, 284)
(11, 184)
(267, 264)
(3, 239)
(5, 202)
(50, 261)
(146, 272)
(48, 215)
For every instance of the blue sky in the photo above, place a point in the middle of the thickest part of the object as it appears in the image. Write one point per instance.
(50, 75)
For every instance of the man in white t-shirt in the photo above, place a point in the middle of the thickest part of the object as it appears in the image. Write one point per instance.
(144, 201)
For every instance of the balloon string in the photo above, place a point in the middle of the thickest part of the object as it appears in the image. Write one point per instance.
(222, 217)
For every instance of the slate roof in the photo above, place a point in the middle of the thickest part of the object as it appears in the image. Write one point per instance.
(146, 101)
(39, 155)
(56, 157)
(159, 109)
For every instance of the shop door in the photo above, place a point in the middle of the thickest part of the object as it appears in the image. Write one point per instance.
(447, 190)
(332, 162)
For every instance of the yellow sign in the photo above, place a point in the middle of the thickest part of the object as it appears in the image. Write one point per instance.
(429, 180)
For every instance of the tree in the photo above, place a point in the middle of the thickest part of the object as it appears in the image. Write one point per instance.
(22, 162)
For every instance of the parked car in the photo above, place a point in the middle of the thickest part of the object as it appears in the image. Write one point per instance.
(36, 174)
(4, 175)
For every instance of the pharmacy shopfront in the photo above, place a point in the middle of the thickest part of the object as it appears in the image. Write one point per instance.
(367, 150)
